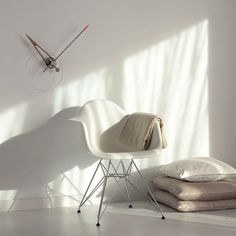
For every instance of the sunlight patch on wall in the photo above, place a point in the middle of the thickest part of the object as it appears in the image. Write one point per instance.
(81, 90)
(65, 184)
(7, 195)
(12, 122)
(73, 183)
(171, 80)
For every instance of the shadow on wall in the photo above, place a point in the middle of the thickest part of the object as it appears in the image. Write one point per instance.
(38, 157)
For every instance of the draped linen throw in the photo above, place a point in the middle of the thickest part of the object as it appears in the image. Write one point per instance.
(138, 129)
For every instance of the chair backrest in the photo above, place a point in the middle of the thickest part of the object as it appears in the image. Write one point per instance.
(97, 116)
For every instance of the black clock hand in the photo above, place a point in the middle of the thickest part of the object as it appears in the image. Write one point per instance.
(36, 46)
(48, 60)
(71, 42)
(54, 59)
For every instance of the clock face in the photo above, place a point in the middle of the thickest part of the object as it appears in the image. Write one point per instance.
(40, 79)
(43, 69)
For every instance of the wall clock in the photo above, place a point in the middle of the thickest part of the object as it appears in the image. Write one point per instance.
(43, 69)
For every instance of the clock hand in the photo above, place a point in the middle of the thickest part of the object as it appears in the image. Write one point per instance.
(71, 42)
(54, 59)
(36, 46)
(48, 61)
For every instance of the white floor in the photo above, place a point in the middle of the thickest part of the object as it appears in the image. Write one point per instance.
(118, 220)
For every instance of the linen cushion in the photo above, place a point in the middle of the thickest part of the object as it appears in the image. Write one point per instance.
(191, 206)
(184, 190)
(197, 169)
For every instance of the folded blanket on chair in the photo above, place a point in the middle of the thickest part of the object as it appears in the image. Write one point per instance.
(138, 130)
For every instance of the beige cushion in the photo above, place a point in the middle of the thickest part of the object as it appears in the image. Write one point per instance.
(197, 169)
(224, 189)
(186, 206)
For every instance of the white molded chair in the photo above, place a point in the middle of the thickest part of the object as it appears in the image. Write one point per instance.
(102, 127)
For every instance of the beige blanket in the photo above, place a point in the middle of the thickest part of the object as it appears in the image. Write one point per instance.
(138, 130)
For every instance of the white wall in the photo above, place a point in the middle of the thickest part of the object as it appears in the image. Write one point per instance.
(174, 58)
(222, 83)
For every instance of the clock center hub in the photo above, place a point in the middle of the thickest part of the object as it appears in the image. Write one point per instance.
(50, 62)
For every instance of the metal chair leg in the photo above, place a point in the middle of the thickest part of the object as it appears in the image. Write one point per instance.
(117, 174)
(103, 192)
(85, 194)
(156, 204)
(127, 183)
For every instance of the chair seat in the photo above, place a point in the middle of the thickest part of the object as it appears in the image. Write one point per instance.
(126, 155)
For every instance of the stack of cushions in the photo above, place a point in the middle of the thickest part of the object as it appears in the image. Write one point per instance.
(196, 184)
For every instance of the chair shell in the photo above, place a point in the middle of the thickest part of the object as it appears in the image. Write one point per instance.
(103, 121)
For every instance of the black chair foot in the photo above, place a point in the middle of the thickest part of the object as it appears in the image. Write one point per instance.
(98, 224)
(78, 211)
(163, 217)
(130, 206)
